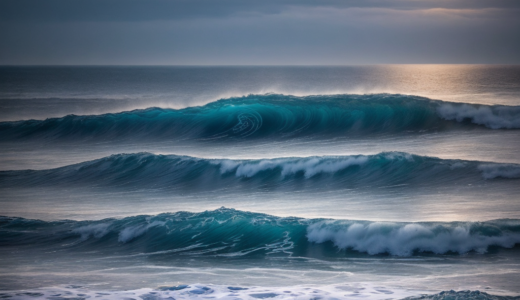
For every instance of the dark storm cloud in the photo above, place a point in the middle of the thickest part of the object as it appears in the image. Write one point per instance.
(150, 10)
(201, 32)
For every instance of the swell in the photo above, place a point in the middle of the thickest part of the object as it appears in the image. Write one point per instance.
(179, 173)
(231, 233)
(273, 116)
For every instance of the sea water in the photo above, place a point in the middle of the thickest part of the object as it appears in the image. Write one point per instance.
(374, 182)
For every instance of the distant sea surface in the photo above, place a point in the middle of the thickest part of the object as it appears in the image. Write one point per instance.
(373, 182)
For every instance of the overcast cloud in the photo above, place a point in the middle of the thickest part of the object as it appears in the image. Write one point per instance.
(288, 32)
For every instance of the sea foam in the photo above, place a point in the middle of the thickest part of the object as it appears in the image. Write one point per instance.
(403, 239)
(205, 291)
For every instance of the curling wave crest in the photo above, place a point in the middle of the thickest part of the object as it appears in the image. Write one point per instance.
(183, 173)
(271, 116)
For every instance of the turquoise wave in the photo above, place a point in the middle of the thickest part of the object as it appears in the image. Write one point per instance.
(230, 233)
(271, 116)
(183, 173)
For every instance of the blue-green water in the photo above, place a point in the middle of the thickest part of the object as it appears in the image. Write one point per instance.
(376, 182)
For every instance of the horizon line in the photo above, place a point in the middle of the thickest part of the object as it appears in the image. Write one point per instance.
(258, 65)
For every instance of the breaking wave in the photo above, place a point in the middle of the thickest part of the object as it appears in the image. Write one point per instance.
(231, 233)
(174, 173)
(272, 116)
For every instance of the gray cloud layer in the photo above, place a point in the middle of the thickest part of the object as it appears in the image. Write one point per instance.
(259, 32)
(146, 10)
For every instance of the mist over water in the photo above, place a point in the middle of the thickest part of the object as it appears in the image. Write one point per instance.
(44, 92)
(260, 182)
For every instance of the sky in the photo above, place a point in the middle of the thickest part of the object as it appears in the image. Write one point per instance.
(259, 32)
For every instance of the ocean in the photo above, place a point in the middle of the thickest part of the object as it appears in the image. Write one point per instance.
(260, 182)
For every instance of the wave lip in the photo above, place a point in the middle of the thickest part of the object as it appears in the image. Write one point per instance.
(173, 173)
(490, 171)
(310, 167)
(403, 239)
(270, 116)
(232, 233)
(494, 117)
